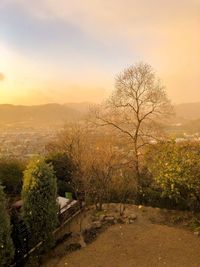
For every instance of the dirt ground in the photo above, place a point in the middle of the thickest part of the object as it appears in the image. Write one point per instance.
(142, 244)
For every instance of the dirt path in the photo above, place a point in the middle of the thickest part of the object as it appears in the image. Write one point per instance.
(141, 245)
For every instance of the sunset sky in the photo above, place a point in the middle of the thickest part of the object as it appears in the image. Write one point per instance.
(71, 50)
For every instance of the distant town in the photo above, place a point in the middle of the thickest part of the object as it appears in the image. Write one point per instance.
(25, 142)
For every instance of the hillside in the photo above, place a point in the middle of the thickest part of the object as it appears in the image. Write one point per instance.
(49, 114)
(188, 111)
(187, 114)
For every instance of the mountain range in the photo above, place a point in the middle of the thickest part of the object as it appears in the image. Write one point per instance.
(41, 115)
(188, 111)
(57, 114)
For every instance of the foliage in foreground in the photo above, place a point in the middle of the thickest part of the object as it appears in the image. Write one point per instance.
(6, 244)
(11, 173)
(39, 194)
(176, 171)
(64, 170)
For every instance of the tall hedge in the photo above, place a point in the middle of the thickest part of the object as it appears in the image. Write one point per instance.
(6, 244)
(11, 174)
(40, 209)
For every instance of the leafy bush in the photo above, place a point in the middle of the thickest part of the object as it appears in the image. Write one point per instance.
(6, 244)
(176, 172)
(64, 171)
(40, 209)
(11, 173)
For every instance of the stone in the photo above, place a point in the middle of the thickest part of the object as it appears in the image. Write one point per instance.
(89, 235)
(131, 221)
(73, 247)
(102, 217)
(75, 234)
(93, 218)
(120, 220)
(82, 242)
(96, 225)
(196, 233)
(110, 219)
(132, 216)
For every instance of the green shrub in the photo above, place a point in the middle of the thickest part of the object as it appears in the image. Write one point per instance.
(40, 209)
(11, 173)
(175, 169)
(6, 244)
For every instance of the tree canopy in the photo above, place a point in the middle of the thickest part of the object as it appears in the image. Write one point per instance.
(40, 209)
(11, 173)
(176, 170)
(64, 170)
(6, 244)
(135, 108)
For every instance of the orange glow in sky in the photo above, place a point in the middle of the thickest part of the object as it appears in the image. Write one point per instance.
(70, 51)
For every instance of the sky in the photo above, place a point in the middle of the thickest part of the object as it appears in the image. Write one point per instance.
(71, 51)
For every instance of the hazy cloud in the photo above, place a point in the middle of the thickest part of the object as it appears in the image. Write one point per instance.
(162, 33)
(121, 17)
(2, 77)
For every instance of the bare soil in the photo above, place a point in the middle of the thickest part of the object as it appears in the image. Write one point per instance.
(157, 238)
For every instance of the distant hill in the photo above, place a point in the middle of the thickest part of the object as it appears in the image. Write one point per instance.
(192, 126)
(49, 114)
(187, 118)
(188, 111)
(82, 107)
(187, 114)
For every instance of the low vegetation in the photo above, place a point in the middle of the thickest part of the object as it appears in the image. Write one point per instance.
(40, 208)
(6, 243)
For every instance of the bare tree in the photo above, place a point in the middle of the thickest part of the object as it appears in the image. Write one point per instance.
(73, 141)
(104, 163)
(95, 157)
(123, 187)
(135, 109)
